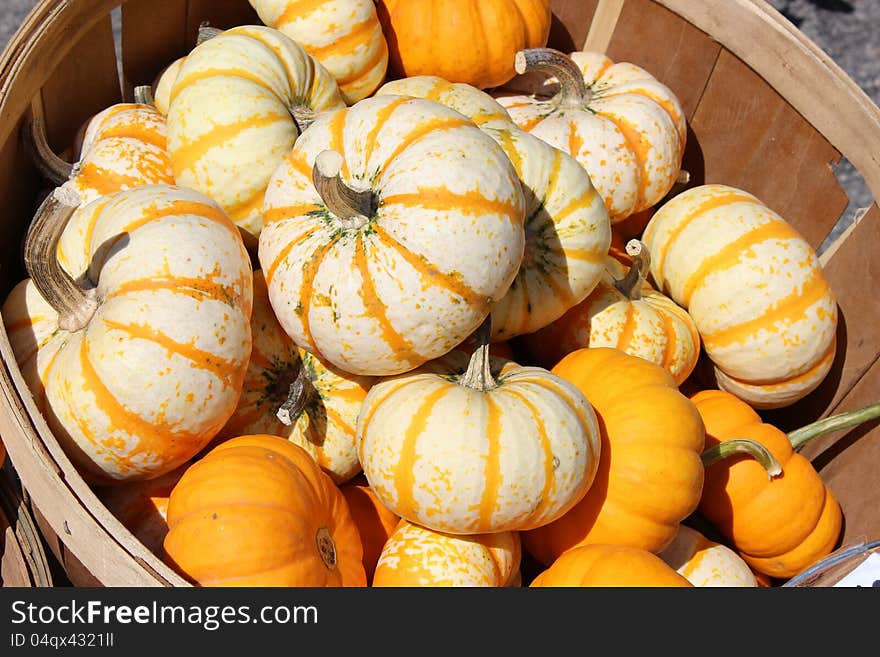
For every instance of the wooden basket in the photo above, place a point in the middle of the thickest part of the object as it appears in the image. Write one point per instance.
(23, 561)
(767, 111)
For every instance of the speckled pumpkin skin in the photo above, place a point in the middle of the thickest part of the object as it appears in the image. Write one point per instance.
(706, 563)
(442, 246)
(159, 368)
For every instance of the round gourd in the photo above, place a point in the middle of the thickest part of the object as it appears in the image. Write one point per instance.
(625, 127)
(624, 312)
(292, 393)
(139, 362)
(236, 107)
(471, 41)
(164, 82)
(392, 228)
(258, 511)
(142, 506)
(779, 525)
(345, 36)
(416, 556)
(478, 446)
(753, 286)
(567, 228)
(650, 473)
(375, 521)
(706, 563)
(608, 565)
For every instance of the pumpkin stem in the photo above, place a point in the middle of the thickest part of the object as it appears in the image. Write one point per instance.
(303, 116)
(630, 285)
(75, 305)
(55, 170)
(299, 394)
(573, 89)
(351, 206)
(800, 437)
(206, 32)
(729, 448)
(143, 95)
(479, 372)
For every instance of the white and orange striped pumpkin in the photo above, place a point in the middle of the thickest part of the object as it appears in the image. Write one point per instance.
(706, 563)
(568, 231)
(754, 287)
(417, 556)
(124, 146)
(417, 231)
(139, 362)
(164, 82)
(344, 35)
(624, 312)
(231, 117)
(327, 400)
(625, 127)
(479, 445)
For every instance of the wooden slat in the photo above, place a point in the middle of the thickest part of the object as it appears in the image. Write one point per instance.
(603, 25)
(571, 23)
(81, 86)
(221, 14)
(751, 138)
(153, 36)
(849, 462)
(668, 47)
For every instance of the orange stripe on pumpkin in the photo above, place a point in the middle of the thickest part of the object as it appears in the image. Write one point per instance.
(135, 130)
(297, 9)
(471, 203)
(310, 271)
(337, 138)
(200, 75)
(243, 209)
(269, 273)
(786, 311)
(492, 468)
(627, 331)
(345, 44)
(375, 60)
(427, 127)
(635, 143)
(671, 346)
(730, 255)
(382, 117)
(377, 310)
(427, 270)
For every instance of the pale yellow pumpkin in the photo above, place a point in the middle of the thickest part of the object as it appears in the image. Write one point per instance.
(568, 231)
(236, 108)
(624, 312)
(321, 408)
(478, 446)
(392, 228)
(343, 35)
(624, 126)
(754, 287)
(706, 563)
(414, 556)
(139, 362)
(164, 83)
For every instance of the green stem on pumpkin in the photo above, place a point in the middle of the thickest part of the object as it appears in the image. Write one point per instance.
(738, 446)
(74, 304)
(350, 206)
(479, 372)
(143, 95)
(573, 89)
(630, 285)
(799, 437)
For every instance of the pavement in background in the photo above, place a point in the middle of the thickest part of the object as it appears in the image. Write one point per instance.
(848, 30)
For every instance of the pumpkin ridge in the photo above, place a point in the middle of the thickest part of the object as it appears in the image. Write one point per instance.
(382, 117)
(492, 469)
(310, 271)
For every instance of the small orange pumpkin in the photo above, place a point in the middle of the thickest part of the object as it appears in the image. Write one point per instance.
(258, 511)
(375, 521)
(609, 565)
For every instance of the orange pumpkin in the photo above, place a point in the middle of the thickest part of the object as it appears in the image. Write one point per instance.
(471, 41)
(650, 474)
(779, 525)
(374, 520)
(258, 511)
(609, 565)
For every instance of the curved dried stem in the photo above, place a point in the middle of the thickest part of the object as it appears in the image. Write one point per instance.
(479, 372)
(630, 285)
(573, 89)
(299, 396)
(55, 170)
(350, 206)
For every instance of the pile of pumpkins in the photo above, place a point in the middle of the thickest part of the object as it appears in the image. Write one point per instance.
(330, 305)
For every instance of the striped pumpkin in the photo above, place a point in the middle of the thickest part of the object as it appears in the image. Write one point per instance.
(417, 231)
(625, 127)
(568, 231)
(233, 115)
(706, 563)
(478, 446)
(626, 313)
(416, 556)
(326, 404)
(754, 287)
(343, 35)
(124, 146)
(139, 363)
(163, 85)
